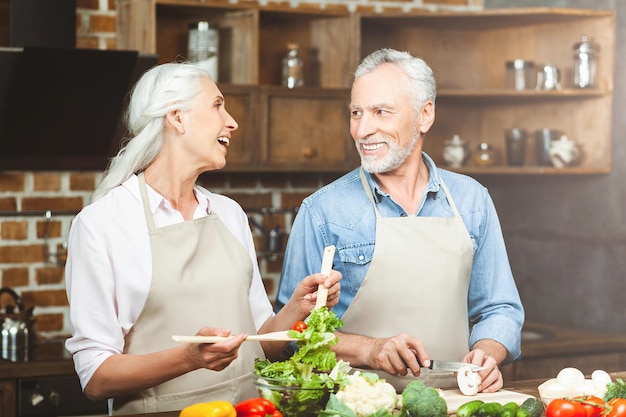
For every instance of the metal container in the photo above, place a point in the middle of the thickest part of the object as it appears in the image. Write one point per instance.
(520, 75)
(17, 328)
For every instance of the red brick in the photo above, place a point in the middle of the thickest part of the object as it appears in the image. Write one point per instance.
(14, 277)
(82, 181)
(111, 43)
(102, 23)
(251, 200)
(274, 180)
(52, 228)
(8, 203)
(22, 254)
(88, 4)
(87, 42)
(48, 322)
(52, 203)
(447, 2)
(14, 230)
(213, 180)
(293, 200)
(46, 181)
(12, 181)
(45, 298)
(49, 275)
(243, 181)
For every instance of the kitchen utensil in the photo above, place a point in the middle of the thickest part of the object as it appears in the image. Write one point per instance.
(437, 365)
(280, 336)
(548, 78)
(454, 398)
(543, 142)
(515, 146)
(16, 328)
(327, 265)
(520, 74)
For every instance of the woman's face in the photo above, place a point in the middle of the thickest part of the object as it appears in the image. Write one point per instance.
(207, 128)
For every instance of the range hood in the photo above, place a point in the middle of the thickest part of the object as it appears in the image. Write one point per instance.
(61, 108)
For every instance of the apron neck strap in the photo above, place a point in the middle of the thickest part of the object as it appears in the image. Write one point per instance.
(146, 201)
(368, 191)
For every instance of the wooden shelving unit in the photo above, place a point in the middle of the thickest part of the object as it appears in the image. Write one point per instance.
(467, 51)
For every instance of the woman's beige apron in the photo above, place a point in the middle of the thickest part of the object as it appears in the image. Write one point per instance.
(417, 283)
(201, 277)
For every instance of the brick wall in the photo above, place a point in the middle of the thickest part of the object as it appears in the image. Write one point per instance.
(32, 245)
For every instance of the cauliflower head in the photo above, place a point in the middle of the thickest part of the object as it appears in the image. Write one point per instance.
(365, 393)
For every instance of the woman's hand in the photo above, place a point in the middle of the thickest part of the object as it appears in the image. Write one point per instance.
(215, 356)
(305, 295)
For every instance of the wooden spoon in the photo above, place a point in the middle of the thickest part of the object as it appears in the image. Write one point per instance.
(327, 265)
(280, 336)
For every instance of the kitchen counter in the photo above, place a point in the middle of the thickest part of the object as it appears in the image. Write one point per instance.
(46, 358)
(547, 348)
(525, 387)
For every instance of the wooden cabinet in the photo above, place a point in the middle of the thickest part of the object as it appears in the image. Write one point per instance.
(467, 51)
(7, 398)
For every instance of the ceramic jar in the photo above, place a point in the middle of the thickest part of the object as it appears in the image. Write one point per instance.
(564, 152)
(455, 152)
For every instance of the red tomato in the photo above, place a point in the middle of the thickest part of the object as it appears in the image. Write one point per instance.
(299, 326)
(594, 406)
(562, 407)
(616, 408)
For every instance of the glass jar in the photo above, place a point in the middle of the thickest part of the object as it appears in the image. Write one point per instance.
(584, 63)
(293, 67)
(203, 46)
(520, 75)
(485, 155)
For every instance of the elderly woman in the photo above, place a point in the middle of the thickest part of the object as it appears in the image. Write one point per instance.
(156, 255)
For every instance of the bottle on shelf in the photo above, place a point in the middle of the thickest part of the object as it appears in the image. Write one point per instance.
(293, 67)
(584, 63)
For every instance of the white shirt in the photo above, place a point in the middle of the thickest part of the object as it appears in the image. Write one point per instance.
(109, 268)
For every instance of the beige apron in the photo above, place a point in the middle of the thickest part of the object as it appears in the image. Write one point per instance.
(201, 277)
(418, 281)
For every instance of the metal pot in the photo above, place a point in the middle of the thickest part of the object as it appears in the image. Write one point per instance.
(17, 328)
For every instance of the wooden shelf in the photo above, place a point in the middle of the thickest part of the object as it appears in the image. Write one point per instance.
(466, 50)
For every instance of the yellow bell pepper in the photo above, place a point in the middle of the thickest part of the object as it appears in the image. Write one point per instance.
(209, 409)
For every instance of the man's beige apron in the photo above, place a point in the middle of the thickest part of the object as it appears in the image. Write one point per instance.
(201, 277)
(417, 283)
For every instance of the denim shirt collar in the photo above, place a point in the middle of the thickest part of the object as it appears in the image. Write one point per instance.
(433, 186)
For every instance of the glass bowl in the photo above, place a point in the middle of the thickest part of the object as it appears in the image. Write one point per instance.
(293, 398)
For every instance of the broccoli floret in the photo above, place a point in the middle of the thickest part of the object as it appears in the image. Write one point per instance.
(418, 400)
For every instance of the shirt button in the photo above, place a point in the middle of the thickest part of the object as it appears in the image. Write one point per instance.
(361, 257)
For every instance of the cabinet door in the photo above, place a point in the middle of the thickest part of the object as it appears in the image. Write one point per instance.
(242, 104)
(7, 398)
(306, 129)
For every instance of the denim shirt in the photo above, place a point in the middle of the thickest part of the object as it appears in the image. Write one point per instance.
(341, 214)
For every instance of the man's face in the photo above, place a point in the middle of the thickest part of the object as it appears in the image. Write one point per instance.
(383, 122)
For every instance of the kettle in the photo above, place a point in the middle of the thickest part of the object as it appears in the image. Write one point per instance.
(17, 328)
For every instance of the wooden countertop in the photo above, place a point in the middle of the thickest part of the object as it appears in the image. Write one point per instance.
(525, 387)
(46, 358)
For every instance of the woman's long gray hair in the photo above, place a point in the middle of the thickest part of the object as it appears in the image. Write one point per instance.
(160, 90)
(422, 86)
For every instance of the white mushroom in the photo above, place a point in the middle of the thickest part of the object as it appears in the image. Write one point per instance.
(571, 378)
(468, 381)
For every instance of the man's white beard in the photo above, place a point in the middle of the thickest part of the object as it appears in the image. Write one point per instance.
(395, 157)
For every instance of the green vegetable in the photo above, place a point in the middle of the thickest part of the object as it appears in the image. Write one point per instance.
(508, 410)
(469, 409)
(418, 400)
(531, 407)
(615, 389)
(489, 409)
(314, 365)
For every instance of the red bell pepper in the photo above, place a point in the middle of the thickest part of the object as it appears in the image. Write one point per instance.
(257, 407)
